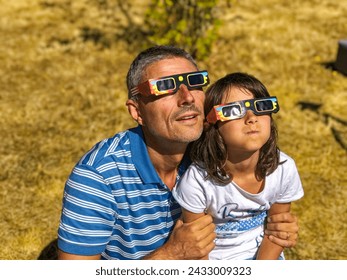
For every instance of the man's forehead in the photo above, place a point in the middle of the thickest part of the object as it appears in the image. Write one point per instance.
(167, 67)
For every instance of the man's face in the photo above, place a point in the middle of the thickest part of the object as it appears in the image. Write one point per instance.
(173, 118)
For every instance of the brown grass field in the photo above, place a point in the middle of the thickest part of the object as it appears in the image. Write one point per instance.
(60, 93)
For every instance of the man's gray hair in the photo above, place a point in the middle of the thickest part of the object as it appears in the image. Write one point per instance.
(149, 56)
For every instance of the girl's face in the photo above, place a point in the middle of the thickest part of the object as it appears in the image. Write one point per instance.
(247, 135)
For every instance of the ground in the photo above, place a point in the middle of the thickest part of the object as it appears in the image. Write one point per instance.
(63, 89)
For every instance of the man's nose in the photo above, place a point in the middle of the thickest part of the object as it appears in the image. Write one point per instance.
(185, 95)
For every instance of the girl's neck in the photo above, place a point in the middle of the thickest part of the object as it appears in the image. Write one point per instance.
(243, 173)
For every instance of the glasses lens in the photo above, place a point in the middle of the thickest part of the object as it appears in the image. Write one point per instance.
(231, 111)
(264, 105)
(166, 84)
(196, 79)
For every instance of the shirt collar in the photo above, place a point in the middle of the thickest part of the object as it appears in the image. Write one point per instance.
(142, 160)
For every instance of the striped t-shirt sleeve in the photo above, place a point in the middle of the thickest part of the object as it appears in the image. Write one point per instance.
(88, 212)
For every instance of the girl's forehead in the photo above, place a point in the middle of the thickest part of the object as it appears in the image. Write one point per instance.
(237, 94)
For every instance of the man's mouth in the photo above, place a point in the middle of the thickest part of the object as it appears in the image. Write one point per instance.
(188, 117)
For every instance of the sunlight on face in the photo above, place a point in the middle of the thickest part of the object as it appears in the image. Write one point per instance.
(175, 117)
(247, 134)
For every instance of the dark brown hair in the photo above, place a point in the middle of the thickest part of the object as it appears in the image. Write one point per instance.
(210, 152)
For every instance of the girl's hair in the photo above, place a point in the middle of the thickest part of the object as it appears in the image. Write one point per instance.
(149, 56)
(210, 152)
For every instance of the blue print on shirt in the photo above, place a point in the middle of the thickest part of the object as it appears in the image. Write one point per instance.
(239, 220)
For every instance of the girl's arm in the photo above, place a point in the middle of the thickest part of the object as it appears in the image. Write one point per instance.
(188, 217)
(269, 250)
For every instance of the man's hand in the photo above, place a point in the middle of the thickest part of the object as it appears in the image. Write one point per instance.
(283, 229)
(188, 241)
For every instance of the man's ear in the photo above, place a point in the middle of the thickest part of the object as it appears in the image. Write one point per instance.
(133, 109)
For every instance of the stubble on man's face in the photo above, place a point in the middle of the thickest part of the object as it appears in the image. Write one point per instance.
(175, 118)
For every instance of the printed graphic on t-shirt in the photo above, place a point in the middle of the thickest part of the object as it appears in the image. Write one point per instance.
(238, 220)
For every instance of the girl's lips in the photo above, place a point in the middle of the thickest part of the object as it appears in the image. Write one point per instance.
(252, 132)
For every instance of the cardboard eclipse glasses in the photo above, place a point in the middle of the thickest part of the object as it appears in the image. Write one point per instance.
(171, 84)
(238, 109)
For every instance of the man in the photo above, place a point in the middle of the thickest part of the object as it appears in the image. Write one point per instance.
(117, 201)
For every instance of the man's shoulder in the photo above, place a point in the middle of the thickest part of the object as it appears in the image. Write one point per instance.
(116, 146)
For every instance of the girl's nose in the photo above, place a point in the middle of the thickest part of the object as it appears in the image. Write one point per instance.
(251, 117)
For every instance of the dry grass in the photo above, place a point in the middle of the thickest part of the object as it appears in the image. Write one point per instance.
(59, 95)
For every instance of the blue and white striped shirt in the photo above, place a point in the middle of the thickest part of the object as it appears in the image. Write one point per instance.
(115, 203)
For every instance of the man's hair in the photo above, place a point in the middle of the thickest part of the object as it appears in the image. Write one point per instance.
(210, 151)
(149, 56)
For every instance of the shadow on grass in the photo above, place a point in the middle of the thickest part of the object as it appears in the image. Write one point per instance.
(331, 65)
(50, 252)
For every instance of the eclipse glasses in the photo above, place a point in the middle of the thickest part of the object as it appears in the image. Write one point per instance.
(238, 109)
(171, 84)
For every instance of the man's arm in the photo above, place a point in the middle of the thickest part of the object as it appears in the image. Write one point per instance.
(188, 241)
(66, 256)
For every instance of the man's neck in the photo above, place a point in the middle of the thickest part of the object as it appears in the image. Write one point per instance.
(166, 165)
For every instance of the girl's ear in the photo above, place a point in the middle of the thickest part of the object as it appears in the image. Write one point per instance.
(133, 109)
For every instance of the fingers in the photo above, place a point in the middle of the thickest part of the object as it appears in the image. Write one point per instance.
(204, 230)
(192, 240)
(208, 243)
(285, 239)
(285, 217)
(284, 235)
(292, 228)
(286, 222)
(286, 243)
(201, 223)
(201, 227)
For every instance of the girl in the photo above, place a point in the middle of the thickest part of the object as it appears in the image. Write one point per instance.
(238, 174)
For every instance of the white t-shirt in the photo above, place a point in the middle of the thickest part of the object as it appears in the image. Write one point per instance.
(238, 215)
